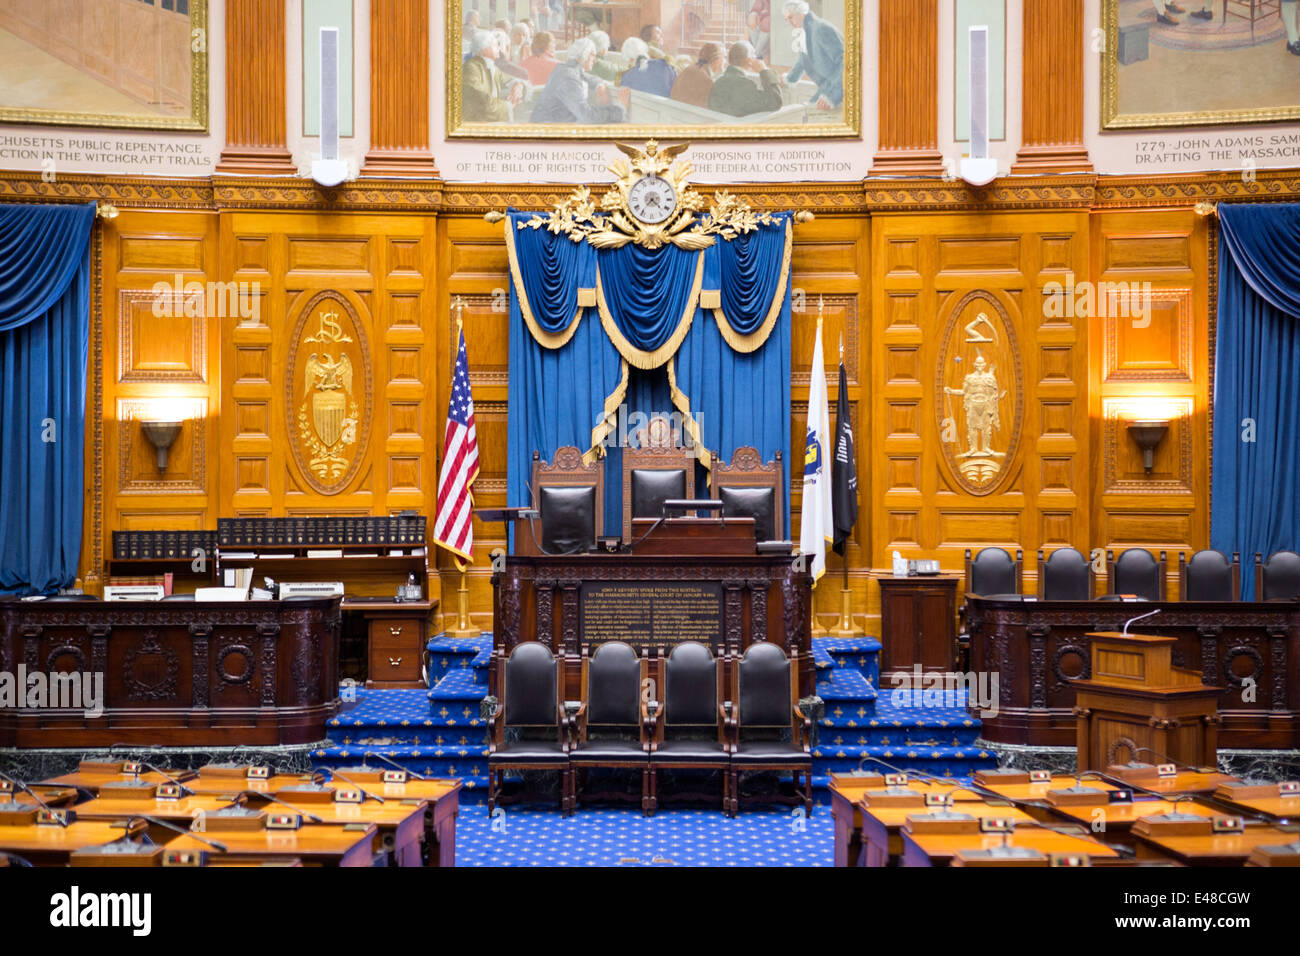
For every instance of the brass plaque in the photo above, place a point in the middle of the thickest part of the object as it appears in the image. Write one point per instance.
(650, 612)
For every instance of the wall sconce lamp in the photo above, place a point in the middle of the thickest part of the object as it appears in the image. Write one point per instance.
(1147, 434)
(161, 435)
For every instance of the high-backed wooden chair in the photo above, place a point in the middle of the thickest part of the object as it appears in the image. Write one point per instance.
(751, 488)
(993, 571)
(770, 732)
(660, 469)
(1065, 575)
(691, 721)
(1136, 572)
(527, 730)
(1278, 578)
(1209, 576)
(571, 498)
(612, 728)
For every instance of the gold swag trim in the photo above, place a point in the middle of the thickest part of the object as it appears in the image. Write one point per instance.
(606, 425)
(755, 340)
(682, 402)
(639, 357)
(548, 340)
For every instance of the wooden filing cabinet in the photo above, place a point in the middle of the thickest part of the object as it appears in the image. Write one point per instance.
(918, 624)
(396, 635)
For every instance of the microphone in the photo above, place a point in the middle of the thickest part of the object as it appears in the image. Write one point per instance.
(360, 789)
(394, 764)
(170, 779)
(219, 847)
(54, 815)
(927, 778)
(1138, 618)
(269, 796)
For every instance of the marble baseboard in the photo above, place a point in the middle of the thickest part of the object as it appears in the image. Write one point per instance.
(1264, 765)
(39, 764)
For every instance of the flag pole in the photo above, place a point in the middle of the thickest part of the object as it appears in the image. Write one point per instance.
(845, 628)
(464, 626)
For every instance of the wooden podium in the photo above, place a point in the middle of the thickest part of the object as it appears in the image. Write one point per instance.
(1138, 706)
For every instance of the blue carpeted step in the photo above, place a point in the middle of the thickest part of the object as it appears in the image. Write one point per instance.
(822, 660)
(937, 761)
(842, 685)
(898, 736)
(860, 653)
(468, 763)
(447, 655)
(458, 686)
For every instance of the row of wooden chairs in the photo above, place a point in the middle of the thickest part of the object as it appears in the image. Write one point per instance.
(690, 711)
(1066, 575)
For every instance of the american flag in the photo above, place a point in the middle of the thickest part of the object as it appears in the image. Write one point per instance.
(453, 527)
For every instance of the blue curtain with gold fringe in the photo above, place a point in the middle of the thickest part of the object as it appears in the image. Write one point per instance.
(704, 334)
(44, 337)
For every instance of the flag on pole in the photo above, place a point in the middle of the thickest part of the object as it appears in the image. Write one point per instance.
(817, 522)
(453, 527)
(844, 468)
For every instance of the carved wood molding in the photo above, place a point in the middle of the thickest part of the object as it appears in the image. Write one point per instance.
(1184, 190)
(931, 195)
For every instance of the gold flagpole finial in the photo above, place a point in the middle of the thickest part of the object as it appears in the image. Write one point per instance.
(841, 346)
(458, 304)
(821, 305)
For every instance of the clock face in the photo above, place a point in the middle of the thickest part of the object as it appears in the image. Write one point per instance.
(652, 199)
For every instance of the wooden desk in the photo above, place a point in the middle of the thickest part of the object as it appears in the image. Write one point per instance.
(314, 844)
(1039, 647)
(219, 784)
(398, 825)
(396, 635)
(189, 674)
(53, 845)
(938, 849)
(93, 780)
(1284, 808)
(846, 791)
(918, 624)
(1120, 817)
(883, 827)
(1215, 849)
(1185, 781)
(1038, 791)
(443, 797)
(181, 812)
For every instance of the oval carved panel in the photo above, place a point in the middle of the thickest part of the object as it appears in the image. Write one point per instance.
(979, 393)
(328, 392)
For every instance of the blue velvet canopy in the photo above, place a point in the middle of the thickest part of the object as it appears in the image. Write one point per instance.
(44, 337)
(592, 330)
(1256, 460)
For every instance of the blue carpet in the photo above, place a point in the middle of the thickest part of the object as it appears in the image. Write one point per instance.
(526, 836)
(439, 732)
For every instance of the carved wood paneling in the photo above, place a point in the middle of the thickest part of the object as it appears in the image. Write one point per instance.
(399, 90)
(909, 104)
(255, 90)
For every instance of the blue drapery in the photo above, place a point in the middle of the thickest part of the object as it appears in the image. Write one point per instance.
(1256, 465)
(647, 292)
(552, 268)
(44, 337)
(559, 394)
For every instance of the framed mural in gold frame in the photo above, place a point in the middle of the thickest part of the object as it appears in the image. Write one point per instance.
(1202, 63)
(660, 75)
(107, 63)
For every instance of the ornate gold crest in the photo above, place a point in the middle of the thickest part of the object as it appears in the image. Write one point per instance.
(611, 223)
(331, 426)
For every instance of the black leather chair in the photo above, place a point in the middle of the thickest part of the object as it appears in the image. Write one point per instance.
(770, 731)
(1278, 578)
(1064, 576)
(569, 493)
(1209, 576)
(612, 727)
(651, 476)
(751, 488)
(691, 719)
(527, 728)
(994, 572)
(1136, 572)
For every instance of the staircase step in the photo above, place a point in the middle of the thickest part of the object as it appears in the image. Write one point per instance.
(937, 760)
(842, 684)
(459, 685)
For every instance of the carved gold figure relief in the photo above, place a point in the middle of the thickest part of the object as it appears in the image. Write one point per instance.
(327, 418)
(978, 393)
